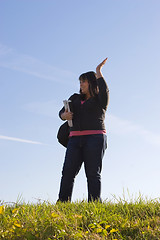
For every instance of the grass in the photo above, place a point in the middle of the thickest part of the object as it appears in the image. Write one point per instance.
(139, 219)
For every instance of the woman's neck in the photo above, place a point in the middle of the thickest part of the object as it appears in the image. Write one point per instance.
(87, 96)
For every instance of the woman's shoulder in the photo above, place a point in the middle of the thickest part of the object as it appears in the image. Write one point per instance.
(74, 96)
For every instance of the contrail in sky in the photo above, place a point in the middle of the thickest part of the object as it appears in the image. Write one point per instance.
(123, 127)
(11, 59)
(20, 140)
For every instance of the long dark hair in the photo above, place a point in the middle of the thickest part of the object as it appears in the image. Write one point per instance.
(92, 80)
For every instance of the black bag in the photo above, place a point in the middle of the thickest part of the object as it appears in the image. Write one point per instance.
(63, 134)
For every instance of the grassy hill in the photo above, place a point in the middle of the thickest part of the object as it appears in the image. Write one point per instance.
(81, 220)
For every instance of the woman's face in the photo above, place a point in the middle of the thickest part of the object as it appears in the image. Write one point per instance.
(84, 86)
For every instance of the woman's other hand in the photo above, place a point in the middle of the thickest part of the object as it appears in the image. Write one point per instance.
(99, 67)
(67, 115)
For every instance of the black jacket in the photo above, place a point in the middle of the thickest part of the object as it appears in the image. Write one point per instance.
(91, 114)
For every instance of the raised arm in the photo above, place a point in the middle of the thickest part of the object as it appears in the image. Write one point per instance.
(103, 94)
(99, 67)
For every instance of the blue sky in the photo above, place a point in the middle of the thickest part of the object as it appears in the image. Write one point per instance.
(44, 47)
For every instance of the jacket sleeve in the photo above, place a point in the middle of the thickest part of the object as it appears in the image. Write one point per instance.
(63, 109)
(103, 94)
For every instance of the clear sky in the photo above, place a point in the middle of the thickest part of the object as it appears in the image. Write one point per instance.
(44, 46)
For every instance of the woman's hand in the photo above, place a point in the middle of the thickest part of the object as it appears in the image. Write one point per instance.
(99, 67)
(67, 115)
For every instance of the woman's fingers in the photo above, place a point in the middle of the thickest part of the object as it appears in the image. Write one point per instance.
(68, 115)
(105, 60)
(101, 64)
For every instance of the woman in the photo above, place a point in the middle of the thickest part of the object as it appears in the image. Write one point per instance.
(87, 139)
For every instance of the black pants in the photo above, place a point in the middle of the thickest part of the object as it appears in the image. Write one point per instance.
(90, 150)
